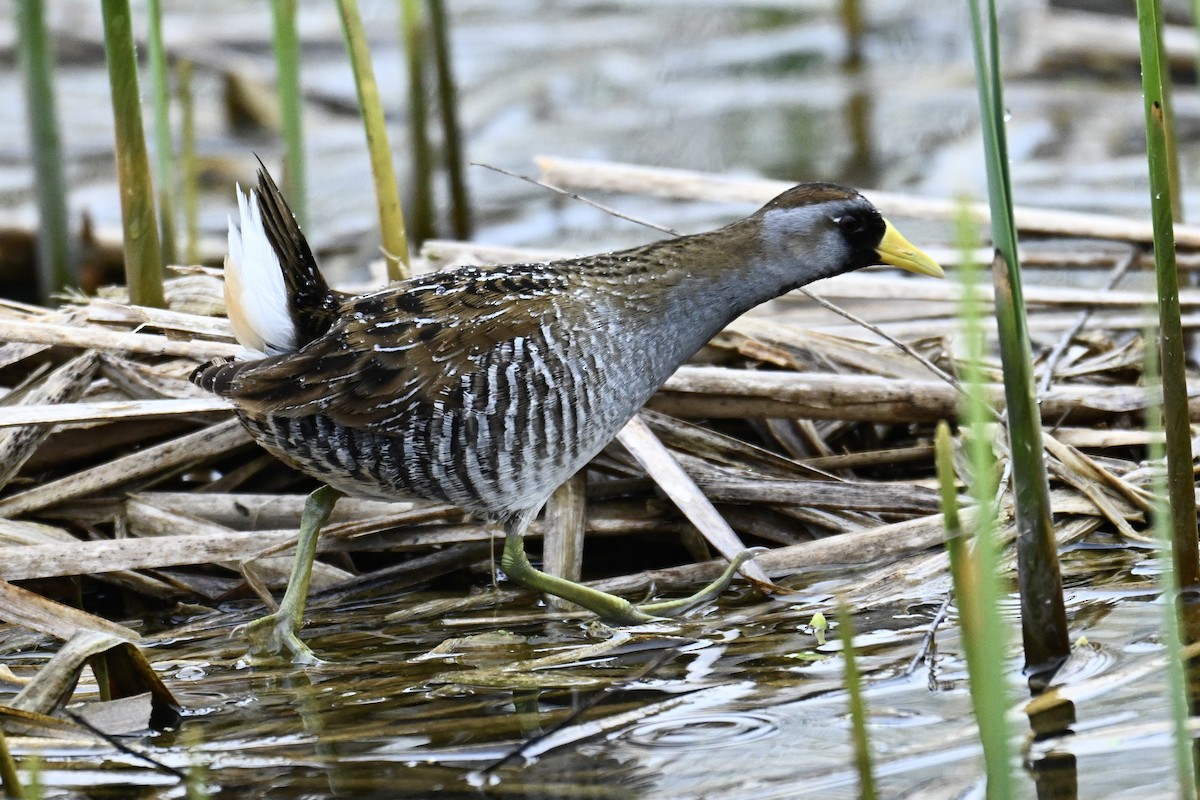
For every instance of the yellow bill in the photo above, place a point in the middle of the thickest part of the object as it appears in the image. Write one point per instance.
(897, 251)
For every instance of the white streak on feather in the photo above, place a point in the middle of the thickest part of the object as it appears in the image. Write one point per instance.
(255, 295)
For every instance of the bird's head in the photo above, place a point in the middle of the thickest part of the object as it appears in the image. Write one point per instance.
(829, 229)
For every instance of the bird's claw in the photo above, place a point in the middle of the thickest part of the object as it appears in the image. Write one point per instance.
(273, 636)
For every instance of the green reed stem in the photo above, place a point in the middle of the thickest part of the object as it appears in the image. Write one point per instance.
(8, 771)
(56, 266)
(391, 221)
(975, 570)
(163, 174)
(1180, 481)
(858, 708)
(1173, 623)
(143, 258)
(291, 105)
(1043, 614)
(460, 204)
(187, 157)
(416, 35)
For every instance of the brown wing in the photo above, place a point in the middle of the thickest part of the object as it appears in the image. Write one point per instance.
(395, 350)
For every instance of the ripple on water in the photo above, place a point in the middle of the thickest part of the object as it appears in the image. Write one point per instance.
(703, 730)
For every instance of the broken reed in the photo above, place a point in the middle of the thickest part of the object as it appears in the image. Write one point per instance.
(56, 268)
(1043, 614)
(291, 105)
(387, 196)
(143, 259)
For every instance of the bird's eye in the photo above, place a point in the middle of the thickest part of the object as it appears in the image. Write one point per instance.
(849, 223)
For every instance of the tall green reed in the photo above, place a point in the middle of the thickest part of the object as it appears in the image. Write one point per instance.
(187, 157)
(56, 266)
(1176, 422)
(1172, 624)
(1043, 614)
(416, 35)
(8, 771)
(291, 105)
(163, 149)
(387, 196)
(452, 147)
(1183, 577)
(143, 257)
(977, 587)
(858, 707)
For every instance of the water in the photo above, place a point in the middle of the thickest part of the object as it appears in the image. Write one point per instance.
(741, 702)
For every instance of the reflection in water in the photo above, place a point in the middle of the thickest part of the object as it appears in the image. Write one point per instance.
(703, 730)
(1054, 774)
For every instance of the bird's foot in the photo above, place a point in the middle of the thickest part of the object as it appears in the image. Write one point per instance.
(682, 605)
(609, 607)
(273, 636)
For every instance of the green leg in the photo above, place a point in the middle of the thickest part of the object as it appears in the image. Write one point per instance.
(608, 607)
(277, 632)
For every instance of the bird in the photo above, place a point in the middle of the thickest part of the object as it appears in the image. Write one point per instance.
(487, 387)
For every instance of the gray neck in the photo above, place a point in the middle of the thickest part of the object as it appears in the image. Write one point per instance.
(674, 296)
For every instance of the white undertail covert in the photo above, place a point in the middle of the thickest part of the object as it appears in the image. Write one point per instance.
(255, 295)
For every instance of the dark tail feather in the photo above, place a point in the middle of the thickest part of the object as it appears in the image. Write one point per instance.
(216, 376)
(313, 305)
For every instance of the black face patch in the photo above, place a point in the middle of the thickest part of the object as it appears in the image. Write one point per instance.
(863, 227)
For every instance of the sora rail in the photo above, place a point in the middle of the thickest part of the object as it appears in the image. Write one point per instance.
(488, 387)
